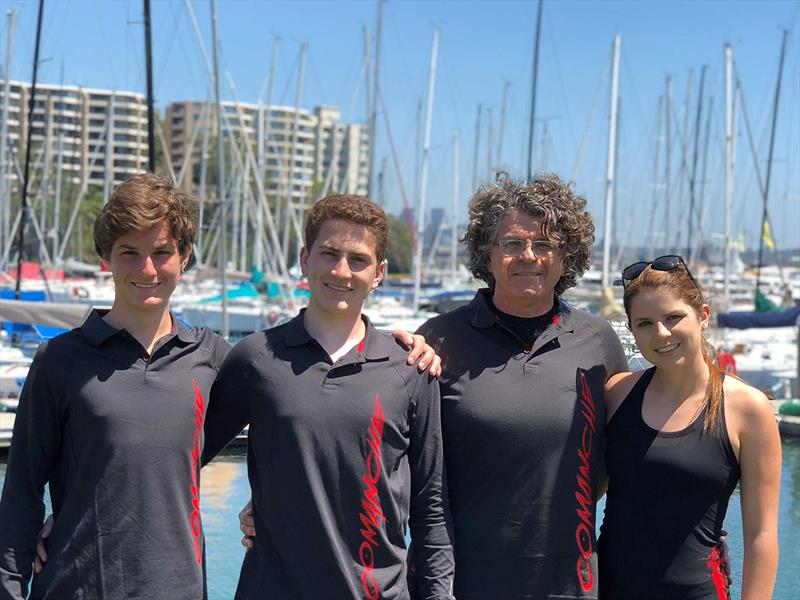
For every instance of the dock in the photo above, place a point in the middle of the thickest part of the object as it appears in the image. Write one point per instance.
(788, 425)
(6, 427)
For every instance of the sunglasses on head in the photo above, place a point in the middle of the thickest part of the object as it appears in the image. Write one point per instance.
(669, 262)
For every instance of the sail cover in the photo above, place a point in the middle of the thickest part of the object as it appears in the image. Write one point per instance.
(746, 319)
(53, 314)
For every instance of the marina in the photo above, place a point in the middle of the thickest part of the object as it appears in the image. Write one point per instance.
(676, 122)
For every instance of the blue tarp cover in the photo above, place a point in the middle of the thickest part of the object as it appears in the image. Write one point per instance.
(747, 320)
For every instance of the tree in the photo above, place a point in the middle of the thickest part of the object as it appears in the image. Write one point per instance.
(400, 254)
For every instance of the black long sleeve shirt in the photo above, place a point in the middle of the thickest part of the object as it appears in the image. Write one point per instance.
(342, 457)
(523, 430)
(118, 436)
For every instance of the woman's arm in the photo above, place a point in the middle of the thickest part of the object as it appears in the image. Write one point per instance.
(760, 463)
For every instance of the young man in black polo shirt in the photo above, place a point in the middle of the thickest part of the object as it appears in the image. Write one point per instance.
(111, 416)
(345, 444)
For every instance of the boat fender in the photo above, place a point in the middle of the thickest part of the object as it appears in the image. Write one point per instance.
(790, 408)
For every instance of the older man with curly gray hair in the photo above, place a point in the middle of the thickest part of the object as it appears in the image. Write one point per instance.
(561, 214)
(522, 398)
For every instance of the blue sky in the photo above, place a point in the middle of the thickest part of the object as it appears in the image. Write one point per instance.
(482, 44)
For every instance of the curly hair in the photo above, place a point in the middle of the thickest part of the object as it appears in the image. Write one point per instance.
(140, 202)
(358, 210)
(564, 221)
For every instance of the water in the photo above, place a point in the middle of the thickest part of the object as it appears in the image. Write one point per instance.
(225, 490)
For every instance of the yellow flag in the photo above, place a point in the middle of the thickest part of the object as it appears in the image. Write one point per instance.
(742, 247)
(767, 236)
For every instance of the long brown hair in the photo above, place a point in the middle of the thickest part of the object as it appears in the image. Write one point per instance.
(679, 282)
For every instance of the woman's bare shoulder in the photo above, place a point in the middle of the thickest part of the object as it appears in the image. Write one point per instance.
(744, 400)
(617, 389)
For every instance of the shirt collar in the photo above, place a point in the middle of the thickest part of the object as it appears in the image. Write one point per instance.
(374, 346)
(482, 315)
(182, 330)
(97, 330)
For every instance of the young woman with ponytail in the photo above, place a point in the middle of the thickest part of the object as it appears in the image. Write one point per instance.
(680, 436)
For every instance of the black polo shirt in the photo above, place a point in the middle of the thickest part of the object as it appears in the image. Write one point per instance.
(342, 457)
(118, 435)
(523, 427)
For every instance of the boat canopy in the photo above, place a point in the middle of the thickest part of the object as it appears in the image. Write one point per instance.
(747, 320)
(50, 314)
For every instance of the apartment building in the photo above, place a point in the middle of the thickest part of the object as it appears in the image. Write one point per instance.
(321, 141)
(346, 146)
(100, 132)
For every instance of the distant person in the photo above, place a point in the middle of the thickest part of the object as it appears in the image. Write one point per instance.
(111, 416)
(680, 436)
(345, 447)
(522, 399)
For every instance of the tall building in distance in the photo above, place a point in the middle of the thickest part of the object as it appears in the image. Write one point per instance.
(94, 128)
(344, 146)
(321, 141)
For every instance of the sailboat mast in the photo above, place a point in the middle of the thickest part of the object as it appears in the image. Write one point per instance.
(46, 167)
(477, 149)
(454, 207)
(31, 105)
(683, 169)
(503, 103)
(108, 159)
(374, 98)
(223, 207)
(533, 88)
(148, 53)
(288, 218)
(423, 184)
(264, 118)
(668, 159)
(5, 191)
(728, 171)
(651, 231)
(489, 143)
(207, 115)
(57, 199)
(612, 145)
(765, 214)
(693, 180)
(367, 89)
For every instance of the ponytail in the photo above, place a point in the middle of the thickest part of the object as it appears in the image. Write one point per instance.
(714, 396)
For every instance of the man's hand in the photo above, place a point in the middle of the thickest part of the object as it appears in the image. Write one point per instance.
(725, 557)
(41, 553)
(421, 353)
(247, 525)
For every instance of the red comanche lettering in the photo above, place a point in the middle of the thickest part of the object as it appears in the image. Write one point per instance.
(194, 519)
(585, 494)
(371, 512)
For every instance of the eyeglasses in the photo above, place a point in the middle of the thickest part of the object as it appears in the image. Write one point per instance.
(669, 262)
(540, 248)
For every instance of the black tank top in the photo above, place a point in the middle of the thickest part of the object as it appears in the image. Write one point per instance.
(667, 497)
